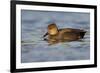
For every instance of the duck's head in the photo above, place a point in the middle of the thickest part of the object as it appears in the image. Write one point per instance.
(52, 29)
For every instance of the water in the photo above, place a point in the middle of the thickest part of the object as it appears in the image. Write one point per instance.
(34, 26)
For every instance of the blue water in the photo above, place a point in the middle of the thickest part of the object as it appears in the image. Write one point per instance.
(34, 26)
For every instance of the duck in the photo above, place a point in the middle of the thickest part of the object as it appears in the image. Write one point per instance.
(55, 35)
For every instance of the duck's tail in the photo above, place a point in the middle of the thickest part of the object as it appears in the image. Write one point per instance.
(82, 34)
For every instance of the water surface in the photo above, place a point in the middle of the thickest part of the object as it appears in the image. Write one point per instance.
(34, 26)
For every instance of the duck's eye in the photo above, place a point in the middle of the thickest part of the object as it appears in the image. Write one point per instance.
(50, 28)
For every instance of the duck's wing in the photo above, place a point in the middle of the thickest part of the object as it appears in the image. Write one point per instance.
(78, 31)
(73, 31)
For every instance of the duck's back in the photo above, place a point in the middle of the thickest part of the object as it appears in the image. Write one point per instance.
(71, 30)
(71, 34)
